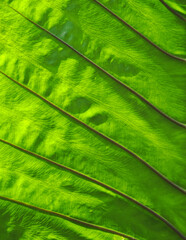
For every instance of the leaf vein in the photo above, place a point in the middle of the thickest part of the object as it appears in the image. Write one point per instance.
(142, 98)
(68, 218)
(96, 182)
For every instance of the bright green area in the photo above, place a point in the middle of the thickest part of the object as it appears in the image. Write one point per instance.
(154, 21)
(178, 5)
(31, 56)
(119, 50)
(37, 226)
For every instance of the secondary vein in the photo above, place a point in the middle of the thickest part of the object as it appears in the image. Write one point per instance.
(96, 132)
(60, 215)
(96, 182)
(104, 71)
(140, 34)
(172, 10)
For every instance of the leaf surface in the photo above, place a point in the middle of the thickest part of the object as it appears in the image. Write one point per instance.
(76, 141)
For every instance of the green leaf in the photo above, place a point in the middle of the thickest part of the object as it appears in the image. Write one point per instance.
(177, 7)
(92, 120)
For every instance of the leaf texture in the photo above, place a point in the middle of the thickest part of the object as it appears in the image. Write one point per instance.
(92, 120)
(177, 7)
